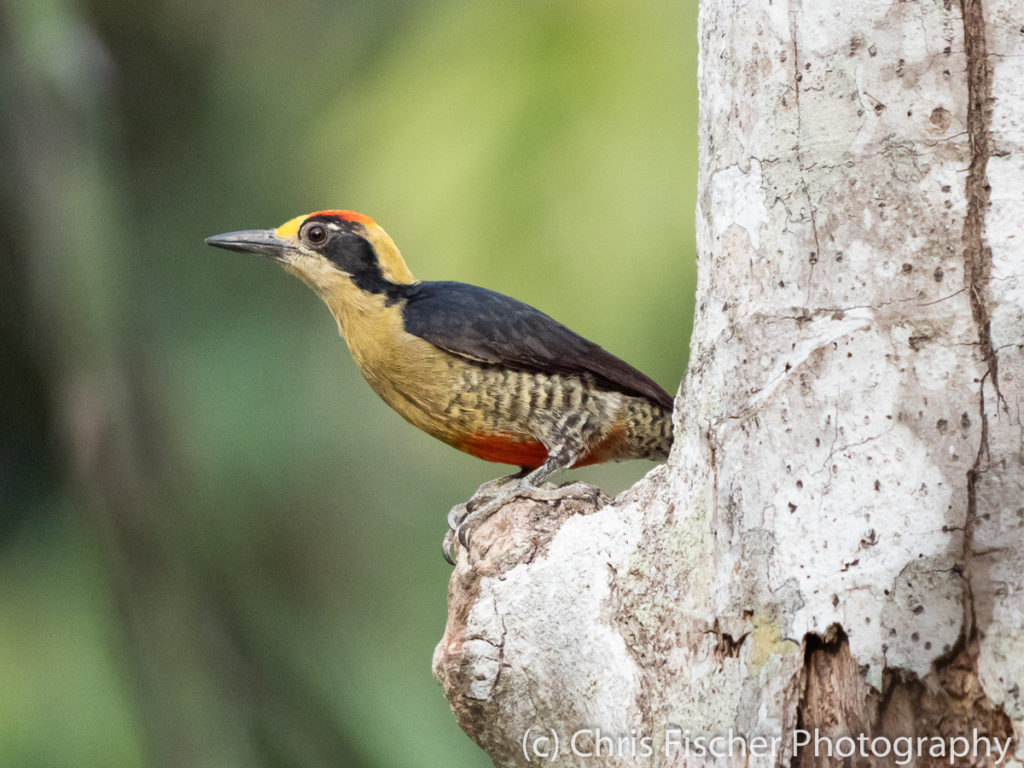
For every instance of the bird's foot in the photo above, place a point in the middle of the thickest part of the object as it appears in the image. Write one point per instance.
(463, 519)
(487, 491)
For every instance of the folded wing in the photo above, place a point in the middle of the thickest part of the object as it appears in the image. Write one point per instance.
(493, 328)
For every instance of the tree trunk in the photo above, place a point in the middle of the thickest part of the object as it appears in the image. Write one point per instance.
(834, 548)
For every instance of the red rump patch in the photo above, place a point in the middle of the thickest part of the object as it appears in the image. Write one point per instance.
(347, 216)
(503, 449)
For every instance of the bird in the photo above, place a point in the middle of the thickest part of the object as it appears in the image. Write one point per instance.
(481, 371)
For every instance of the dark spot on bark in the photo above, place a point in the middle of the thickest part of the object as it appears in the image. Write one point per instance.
(726, 647)
(917, 339)
(941, 118)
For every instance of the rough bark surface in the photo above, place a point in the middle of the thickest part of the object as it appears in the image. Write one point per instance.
(837, 540)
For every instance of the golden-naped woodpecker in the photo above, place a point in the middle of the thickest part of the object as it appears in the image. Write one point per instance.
(483, 372)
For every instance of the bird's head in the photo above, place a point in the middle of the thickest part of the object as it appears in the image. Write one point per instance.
(329, 250)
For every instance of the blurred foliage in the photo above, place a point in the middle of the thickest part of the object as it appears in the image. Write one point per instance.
(217, 547)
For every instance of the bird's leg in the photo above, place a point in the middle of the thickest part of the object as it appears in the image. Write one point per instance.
(464, 518)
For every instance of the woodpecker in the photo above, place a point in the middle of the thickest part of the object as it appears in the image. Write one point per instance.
(478, 370)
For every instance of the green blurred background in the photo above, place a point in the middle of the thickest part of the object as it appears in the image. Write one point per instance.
(217, 547)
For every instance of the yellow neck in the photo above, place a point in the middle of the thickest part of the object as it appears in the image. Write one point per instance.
(364, 320)
(368, 325)
(407, 372)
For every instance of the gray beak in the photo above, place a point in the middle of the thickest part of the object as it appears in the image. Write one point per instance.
(263, 241)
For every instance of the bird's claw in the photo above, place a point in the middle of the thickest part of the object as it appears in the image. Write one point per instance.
(456, 515)
(462, 532)
(448, 546)
(460, 514)
(459, 533)
(459, 524)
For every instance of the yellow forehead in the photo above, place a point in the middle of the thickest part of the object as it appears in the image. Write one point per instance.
(291, 227)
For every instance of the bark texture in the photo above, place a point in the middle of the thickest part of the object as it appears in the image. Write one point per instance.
(837, 540)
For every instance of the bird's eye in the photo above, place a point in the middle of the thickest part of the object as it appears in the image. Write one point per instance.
(316, 234)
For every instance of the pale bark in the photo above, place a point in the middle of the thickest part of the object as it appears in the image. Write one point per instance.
(837, 540)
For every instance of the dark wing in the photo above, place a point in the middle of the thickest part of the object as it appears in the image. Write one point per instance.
(493, 328)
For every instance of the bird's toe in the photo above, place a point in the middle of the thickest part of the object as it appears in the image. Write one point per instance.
(463, 533)
(448, 548)
(457, 515)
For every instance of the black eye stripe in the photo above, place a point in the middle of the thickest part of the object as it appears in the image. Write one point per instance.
(354, 255)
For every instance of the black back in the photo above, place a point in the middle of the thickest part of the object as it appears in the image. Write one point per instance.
(493, 328)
